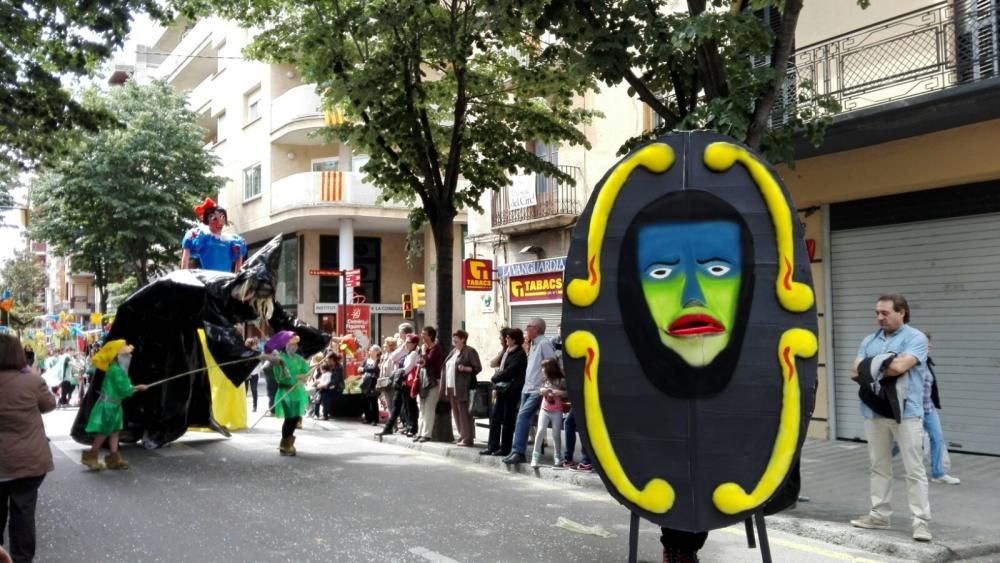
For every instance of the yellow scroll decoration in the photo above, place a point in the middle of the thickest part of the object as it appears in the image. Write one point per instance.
(794, 296)
(730, 498)
(657, 496)
(657, 158)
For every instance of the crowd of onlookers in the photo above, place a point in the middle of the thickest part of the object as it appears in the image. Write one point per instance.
(421, 387)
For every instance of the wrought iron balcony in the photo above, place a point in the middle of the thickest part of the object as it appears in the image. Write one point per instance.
(937, 47)
(552, 203)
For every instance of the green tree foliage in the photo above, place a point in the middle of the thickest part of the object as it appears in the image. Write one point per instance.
(25, 279)
(120, 291)
(716, 65)
(119, 201)
(435, 91)
(40, 42)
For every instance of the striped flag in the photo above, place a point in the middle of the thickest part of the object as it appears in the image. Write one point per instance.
(331, 185)
(334, 117)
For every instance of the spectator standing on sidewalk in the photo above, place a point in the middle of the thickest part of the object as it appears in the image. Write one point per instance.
(541, 349)
(932, 423)
(508, 380)
(567, 461)
(25, 457)
(403, 404)
(895, 335)
(460, 367)
(431, 362)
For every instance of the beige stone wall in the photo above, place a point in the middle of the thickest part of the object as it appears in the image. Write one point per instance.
(819, 21)
(945, 158)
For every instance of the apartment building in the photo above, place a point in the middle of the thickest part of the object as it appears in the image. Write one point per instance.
(903, 196)
(285, 176)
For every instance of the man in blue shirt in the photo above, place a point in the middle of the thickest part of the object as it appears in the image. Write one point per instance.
(213, 249)
(909, 366)
(541, 350)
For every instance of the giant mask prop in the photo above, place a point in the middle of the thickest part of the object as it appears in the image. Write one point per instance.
(690, 331)
(162, 321)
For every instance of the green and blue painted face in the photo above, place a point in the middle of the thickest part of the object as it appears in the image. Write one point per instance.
(690, 275)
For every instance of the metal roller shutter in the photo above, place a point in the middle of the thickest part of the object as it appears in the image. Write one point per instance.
(551, 313)
(949, 272)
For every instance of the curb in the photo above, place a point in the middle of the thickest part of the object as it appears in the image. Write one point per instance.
(901, 547)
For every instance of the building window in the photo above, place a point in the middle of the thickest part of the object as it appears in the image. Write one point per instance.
(220, 127)
(252, 102)
(359, 160)
(251, 182)
(326, 164)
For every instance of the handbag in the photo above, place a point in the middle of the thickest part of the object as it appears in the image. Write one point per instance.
(479, 402)
(502, 386)
(383, 382)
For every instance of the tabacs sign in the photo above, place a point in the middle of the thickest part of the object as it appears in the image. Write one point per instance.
(477, 274)
(539, 287)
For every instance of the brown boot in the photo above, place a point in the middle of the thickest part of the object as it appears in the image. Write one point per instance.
(291, 445)
(115, 461)
(285, 447)
(89, 459)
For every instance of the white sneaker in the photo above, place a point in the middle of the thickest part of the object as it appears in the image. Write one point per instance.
(870, 522)
(536, 459)
(921, 532)
(946, 479)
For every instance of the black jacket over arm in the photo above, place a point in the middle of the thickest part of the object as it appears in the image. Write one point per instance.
(513, 370)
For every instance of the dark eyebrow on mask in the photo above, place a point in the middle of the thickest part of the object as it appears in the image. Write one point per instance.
(671, 262)
(712, 259)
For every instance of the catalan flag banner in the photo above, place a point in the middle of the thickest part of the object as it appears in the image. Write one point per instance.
(334, 117)
(331, 185)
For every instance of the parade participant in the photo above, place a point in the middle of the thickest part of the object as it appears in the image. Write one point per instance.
(289, 371)
(214, 250)
(106, 418)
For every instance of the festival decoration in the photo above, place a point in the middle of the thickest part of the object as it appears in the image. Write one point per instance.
(690, 331)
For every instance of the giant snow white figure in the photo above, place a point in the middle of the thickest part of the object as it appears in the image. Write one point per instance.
(690, 331)
(162, 321)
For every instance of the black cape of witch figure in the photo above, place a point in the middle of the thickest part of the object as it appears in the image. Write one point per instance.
(163, 320)
(690, 332)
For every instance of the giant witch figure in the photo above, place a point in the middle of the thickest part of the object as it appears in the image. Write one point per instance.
(162, 321)
(690, 331)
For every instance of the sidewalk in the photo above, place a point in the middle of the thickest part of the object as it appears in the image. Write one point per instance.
(835, 481)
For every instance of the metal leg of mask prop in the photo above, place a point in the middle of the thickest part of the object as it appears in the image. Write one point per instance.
(206, 368)
(633, 537)
(276, 403)
(765, 548)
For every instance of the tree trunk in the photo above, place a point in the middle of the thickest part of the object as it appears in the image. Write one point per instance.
(102, 292)
(444, 244)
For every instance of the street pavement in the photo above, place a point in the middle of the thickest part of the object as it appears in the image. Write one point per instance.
(345, 497)
(835, 490)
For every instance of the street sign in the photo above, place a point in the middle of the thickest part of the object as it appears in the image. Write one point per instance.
(330, 273)
(353, 277)
(477, 274)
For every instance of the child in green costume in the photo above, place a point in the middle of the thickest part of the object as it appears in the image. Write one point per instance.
(289, 371)
(106, 418)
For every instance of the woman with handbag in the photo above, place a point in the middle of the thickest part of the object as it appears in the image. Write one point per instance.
(403, 404)
(459, 371)
(430, 374)
(507, 383)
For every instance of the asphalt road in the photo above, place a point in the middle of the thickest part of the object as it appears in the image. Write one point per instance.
(344, 498)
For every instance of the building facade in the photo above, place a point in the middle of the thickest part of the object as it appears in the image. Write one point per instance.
(287, 176)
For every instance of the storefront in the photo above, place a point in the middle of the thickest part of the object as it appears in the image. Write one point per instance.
(534, 289)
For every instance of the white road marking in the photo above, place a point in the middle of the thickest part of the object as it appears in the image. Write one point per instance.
(431, 555)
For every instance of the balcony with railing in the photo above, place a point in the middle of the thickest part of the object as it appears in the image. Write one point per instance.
(325, 190)
(934, 48)
(192, 60)
(535, 202)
